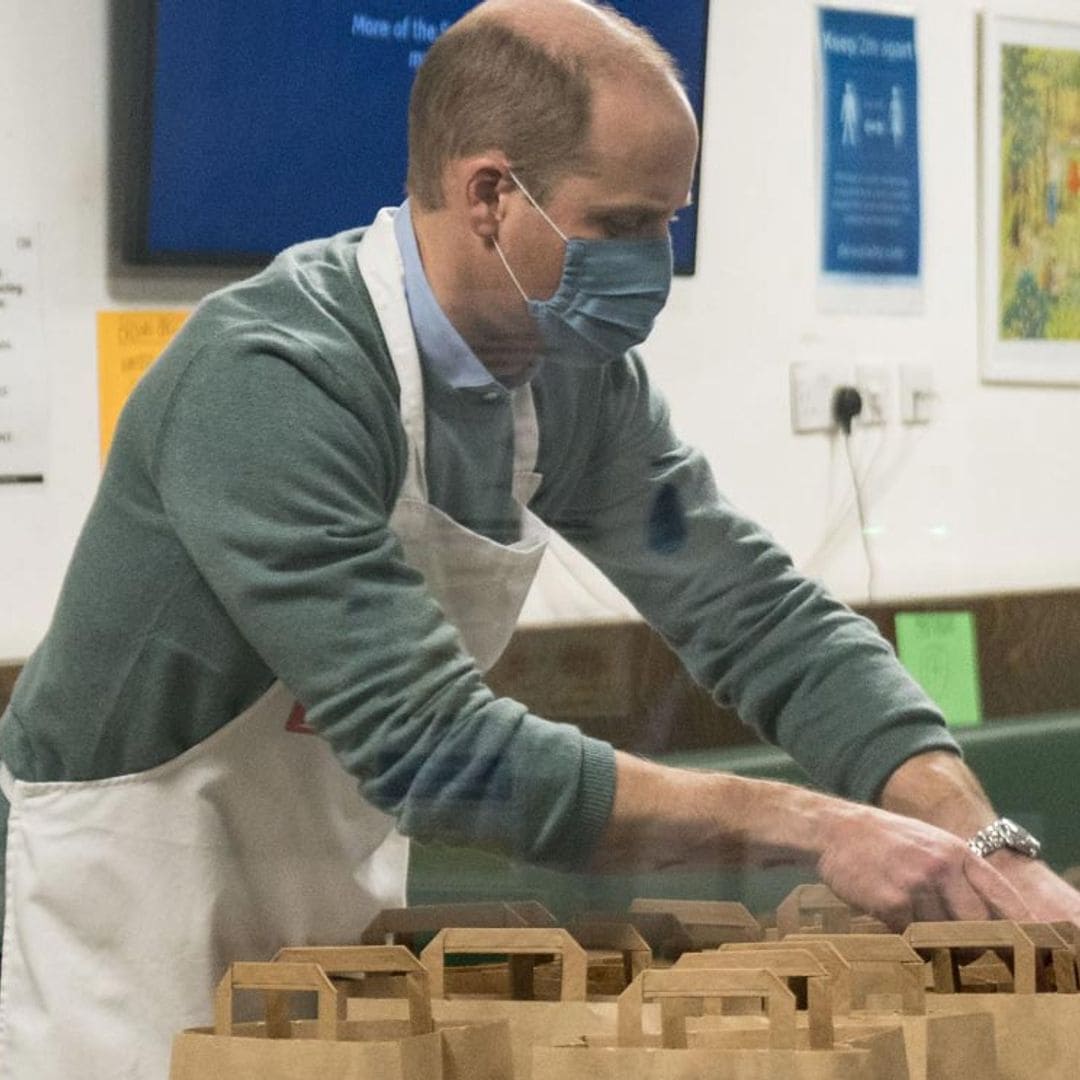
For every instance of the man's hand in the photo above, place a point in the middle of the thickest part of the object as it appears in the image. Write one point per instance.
(940, 789)
(902, 870)
(1050, 898)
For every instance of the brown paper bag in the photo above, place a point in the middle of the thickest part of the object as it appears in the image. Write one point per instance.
(816, 909)
(839, 971)
(665, 935)
(530, 1022)
(798, 969)
(615, 954)
(1037, 1028)
(474, 1051)
(415, 926)
(402, 926)
(886, 973)
(810, 908)
(821, 981)
(282, 1049)
(709, 923)
(679, 1054)
(887, 986)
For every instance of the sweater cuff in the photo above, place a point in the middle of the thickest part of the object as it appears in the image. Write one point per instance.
(891, 749)
(596, 798)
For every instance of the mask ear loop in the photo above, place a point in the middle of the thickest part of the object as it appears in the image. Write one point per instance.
(513, 276)
(537, 207)
(540, 210)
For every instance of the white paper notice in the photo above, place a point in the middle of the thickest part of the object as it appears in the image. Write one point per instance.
(23, 379)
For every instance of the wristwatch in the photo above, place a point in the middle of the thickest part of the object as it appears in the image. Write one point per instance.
(1004, 833)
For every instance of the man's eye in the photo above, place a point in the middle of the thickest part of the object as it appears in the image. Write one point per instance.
(621, 226)
(614, 228)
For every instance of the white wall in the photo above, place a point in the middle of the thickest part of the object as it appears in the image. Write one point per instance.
(982, 499)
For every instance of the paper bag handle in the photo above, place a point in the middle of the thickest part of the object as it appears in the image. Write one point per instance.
(785, 964)
(526, 942)
(812, 900)
(617, 937)
(939, 939)
(372, 960)
(700, 984)
(277, 981)
(401, 926)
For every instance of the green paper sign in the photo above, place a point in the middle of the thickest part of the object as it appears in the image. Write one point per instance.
(938, 649)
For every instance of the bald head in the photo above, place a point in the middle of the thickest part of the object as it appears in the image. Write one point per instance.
(520, 77)
(596, 35)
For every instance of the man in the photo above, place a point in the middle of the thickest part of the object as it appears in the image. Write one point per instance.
(321, 514)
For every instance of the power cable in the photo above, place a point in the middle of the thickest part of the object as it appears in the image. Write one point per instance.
(847, 404)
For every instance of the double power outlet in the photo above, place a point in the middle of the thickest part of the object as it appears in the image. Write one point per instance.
(813, 387)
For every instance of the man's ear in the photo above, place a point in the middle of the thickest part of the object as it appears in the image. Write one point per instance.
(487, 182)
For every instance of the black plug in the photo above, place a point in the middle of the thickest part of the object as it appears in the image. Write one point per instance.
(846, 405)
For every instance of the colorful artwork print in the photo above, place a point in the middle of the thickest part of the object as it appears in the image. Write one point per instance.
(1040, 194)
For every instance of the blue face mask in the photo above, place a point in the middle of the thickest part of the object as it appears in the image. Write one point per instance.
(608, 299)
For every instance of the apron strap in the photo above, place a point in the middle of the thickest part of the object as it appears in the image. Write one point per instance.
(379, 260)
(7, 783)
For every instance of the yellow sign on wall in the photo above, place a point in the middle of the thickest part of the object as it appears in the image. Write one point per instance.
(128, 343)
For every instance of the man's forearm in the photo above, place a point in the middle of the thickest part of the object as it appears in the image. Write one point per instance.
(894, 866)
(940, 789)
(666, 818)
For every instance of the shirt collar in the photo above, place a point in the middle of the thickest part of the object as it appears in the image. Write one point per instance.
(443, 350)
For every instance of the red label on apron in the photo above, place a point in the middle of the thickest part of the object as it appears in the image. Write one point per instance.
(297, 723)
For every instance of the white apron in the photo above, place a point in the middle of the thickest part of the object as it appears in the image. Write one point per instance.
(127, 897)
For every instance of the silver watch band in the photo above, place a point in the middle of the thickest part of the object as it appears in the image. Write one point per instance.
(1004, 833)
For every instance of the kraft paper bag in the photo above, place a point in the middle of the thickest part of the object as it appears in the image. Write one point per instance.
(472, 1049)
(679, 1054)
(882, 977)
(935, 1046)
(530, 1022)
(820, 978)
(615, 954)
(708, 923)
(414, 927)
(413, 1047)
(1037, 1022)
(282, 1049)
(884, 1044)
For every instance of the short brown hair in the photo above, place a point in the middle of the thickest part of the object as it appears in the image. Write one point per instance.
(483, 85)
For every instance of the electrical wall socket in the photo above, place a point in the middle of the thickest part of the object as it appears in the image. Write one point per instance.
(874, 383)
(917, 393)
(812, 390)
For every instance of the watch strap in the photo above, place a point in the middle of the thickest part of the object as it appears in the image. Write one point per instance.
(1004, 833)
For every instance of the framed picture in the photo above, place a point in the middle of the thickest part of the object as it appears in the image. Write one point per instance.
(1030, 114)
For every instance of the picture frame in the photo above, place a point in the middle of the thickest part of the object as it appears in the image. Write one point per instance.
(1030, 200)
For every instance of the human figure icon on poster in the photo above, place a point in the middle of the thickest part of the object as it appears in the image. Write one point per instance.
(897, 119)
(849, 116)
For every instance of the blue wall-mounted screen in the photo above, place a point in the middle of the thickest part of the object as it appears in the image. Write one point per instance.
(279, 121)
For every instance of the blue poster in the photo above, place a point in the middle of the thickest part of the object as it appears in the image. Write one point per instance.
(870, 122)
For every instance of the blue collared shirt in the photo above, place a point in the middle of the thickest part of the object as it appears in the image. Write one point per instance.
(443, 350)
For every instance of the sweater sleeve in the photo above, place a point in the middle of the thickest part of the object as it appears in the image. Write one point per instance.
(800, 668)
(280, 492)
